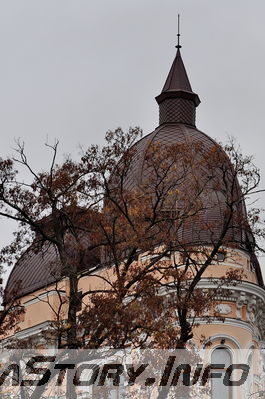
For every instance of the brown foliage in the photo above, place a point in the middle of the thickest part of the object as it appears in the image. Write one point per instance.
(149, 244)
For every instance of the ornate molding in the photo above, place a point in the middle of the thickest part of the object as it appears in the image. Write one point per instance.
(241, 300)
(223, 308)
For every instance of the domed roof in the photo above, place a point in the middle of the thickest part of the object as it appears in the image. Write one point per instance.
(34, 270)
(165, 134)
(171, 134)
(39, 267)
(177, 111)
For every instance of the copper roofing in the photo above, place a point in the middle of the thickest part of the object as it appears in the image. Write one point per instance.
(34, 270)
(38, 268)
(177, 78)
(177, 102)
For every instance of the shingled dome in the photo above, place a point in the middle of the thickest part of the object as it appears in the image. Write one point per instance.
(177, 113)
(40, 267)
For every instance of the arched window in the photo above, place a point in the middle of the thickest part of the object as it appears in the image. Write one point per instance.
(220, 356)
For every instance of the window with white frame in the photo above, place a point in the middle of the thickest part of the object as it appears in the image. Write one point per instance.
(221, 359)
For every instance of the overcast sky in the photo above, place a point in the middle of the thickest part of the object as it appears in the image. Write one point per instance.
(72, 69)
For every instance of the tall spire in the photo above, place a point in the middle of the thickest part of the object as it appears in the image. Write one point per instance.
(177, 78)
(178, 35)
(177, 102)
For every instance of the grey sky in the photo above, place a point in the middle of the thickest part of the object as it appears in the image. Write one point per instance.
(72, 69)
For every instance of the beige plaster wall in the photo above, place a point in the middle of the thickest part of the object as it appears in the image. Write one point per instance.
(41, 311)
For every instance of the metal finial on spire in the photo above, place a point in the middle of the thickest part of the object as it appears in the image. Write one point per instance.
(178, 45)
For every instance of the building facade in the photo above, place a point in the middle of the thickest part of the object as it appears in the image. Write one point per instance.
(241, 322)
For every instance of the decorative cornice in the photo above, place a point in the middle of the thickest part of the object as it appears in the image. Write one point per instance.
(42, 296)
(32, 331)
(247, 287)
(231, 322)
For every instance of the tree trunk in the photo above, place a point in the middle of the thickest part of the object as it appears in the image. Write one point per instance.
(185, 336)
(72, 312)
(72, 344)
